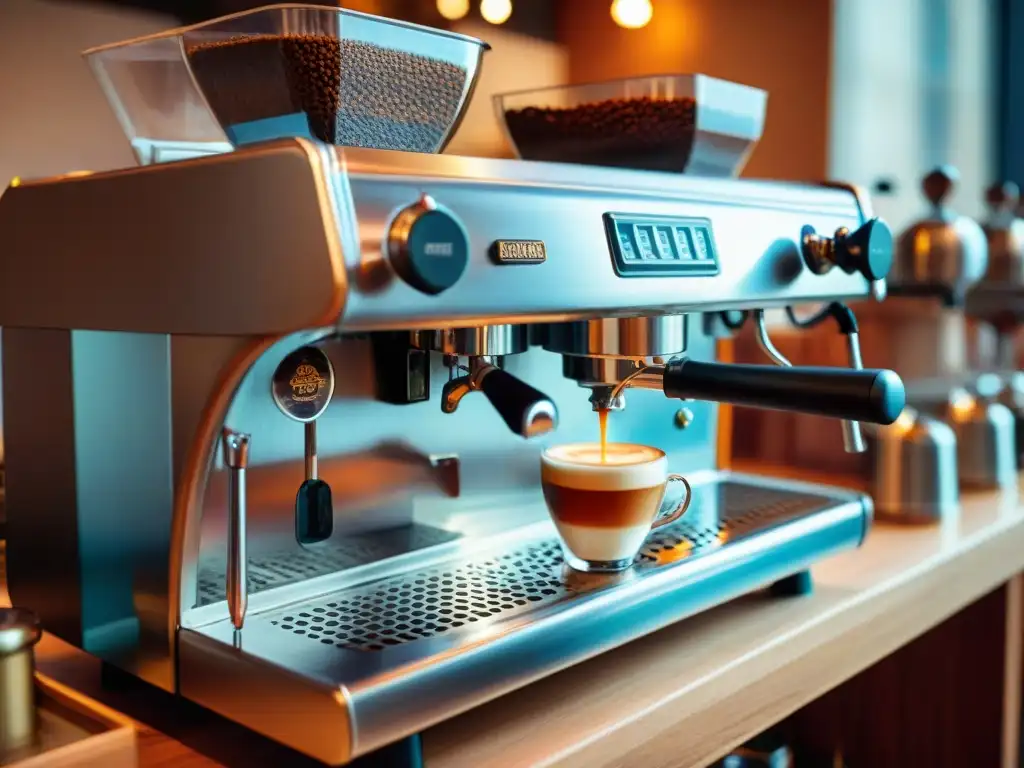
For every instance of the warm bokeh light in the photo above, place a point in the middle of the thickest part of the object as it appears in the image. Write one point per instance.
(496, 11)
(632, 14)
(453, 10)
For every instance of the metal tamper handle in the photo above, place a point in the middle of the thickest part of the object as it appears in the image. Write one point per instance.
(236, 458)
(302, 387)
(19, 633)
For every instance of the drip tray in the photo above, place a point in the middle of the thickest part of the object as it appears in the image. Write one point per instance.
(411, 649)
(279, 569)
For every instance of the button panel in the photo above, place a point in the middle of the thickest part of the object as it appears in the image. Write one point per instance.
(656, 246)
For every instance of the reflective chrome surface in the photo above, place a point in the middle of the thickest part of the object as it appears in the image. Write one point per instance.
(943, 253)
(636, 338)
(986, 437)
(489, 340)
(915, 470)
(315, 256)
(236, 459)
(472, 625)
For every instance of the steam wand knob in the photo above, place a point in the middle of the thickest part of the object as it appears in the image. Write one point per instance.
(868, 250)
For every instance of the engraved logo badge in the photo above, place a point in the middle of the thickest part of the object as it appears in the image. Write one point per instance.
(519, 252)
(306, 383)
(303, 384)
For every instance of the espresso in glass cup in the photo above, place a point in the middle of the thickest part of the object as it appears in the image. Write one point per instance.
(604, 507)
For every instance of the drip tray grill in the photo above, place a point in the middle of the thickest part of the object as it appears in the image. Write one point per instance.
(279, 569)
(434, 601)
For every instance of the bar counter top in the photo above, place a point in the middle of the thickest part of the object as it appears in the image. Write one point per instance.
(687, 694)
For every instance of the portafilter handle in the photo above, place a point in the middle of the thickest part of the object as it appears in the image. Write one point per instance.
(875, 396)
(527, 411)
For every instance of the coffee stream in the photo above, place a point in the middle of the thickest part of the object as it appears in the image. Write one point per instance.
(602, 418)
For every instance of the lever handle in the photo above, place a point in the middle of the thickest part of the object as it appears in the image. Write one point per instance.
(527, 411)
(875, 396)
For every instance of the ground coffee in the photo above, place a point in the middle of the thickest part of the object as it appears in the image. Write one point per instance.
(352, 93)
(651, 134)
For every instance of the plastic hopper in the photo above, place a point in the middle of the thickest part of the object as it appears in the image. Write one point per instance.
(692, 124)
(331, 74)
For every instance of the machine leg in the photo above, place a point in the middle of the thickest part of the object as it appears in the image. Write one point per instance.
(793, 586)
(407, 753)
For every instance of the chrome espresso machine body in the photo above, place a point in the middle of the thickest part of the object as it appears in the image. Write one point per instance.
(399, 334)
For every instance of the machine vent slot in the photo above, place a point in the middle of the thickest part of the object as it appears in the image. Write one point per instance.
(292, 566)
(432, 602)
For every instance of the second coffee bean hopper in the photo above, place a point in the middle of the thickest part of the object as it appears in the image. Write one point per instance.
(211, 333)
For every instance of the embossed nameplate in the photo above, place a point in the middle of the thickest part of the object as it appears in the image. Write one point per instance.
(519, 252)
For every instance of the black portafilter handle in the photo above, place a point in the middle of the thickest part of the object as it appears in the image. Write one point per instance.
(527, 411)
(875, 396)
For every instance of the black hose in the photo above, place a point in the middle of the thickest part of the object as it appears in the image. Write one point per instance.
(838, 311)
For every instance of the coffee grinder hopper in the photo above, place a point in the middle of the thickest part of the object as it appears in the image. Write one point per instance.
(331, 74)
(690, 124)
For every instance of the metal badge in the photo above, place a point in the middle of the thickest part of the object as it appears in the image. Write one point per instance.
(303, 384)
(519, 252)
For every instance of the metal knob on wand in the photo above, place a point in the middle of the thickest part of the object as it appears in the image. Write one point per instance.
(302, 388)
(19, 633)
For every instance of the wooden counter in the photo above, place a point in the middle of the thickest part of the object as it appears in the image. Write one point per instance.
(686, 695)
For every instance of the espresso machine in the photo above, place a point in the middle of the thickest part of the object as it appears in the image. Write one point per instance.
(995, 305)
(296, 392)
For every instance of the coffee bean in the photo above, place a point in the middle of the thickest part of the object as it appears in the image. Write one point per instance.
(645, 133)
(352, 93)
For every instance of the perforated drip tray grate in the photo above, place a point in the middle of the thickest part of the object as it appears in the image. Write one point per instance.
(282, 568)
(430, 602)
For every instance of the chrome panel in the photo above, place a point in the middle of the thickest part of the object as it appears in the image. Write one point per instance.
(443, 666)
(261, 250)
(756, 226)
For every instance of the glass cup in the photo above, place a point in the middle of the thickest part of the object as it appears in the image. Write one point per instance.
(604, 507)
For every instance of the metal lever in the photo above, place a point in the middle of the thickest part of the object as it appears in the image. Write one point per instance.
(236, 457)
(853, 435)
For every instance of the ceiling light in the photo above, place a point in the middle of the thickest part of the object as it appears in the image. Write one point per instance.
(453, 10)
(632, 14)
(496, 11)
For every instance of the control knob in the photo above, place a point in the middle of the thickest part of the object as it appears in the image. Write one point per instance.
(868, 250)
(428, 247)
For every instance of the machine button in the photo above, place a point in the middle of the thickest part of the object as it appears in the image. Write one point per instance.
(428, 247)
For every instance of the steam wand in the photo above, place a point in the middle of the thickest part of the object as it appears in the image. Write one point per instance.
(853, 436)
